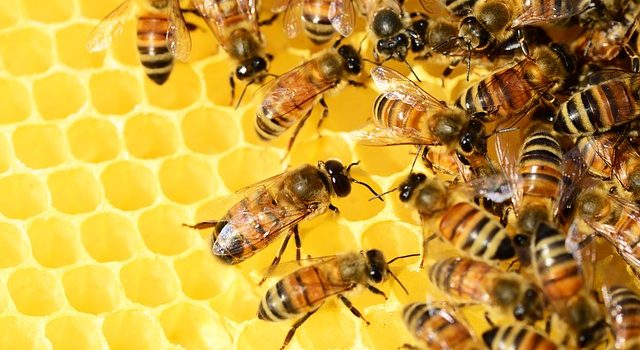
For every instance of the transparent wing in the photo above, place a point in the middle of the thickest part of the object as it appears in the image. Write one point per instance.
(506, 152)
(534, 15)
(212, 14)
(178, 37)
(100, 38)
(376, 136)
(286, 267)
(497, 188)
(574, 169)
(342, 16)
(248, 9)
(398, 87)
(292, 18)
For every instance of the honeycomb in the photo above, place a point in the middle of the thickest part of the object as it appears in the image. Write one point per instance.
(99, 169)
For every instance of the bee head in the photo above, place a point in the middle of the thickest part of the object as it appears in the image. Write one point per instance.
(352, 59)
(473, 34)
(376, 265)
(530, 306)
(386, 23)
(474, 139)
(251, 68)
(338, 177)
(408, 186)
(395, 47)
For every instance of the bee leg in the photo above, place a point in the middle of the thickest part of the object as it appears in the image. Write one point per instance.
(425, 244)
(375, 290)
(202, 225)
(334, 208)
(269, 21)
(355, 83)
(325, 114)
(232, 84)
(276, 260)
(296, 238)
(297, 130)
(409, 347)
(295, 326)
(352, 308)
(488, 319)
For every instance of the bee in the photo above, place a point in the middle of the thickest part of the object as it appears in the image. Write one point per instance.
(261, 212)
(623, 306)
(291, 97)
(437, 328)
(321, 19)
(306, 289)
(563, 284)
(516, 337)
(162, 34)
(234, 23)
(626, 167)
(387, 23)
(598, 151)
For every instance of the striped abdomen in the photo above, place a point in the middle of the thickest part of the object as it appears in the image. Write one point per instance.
(315, 19)
(397, 114)
(598, 152)
(471, 230)
(627, 167)
(623, 306)
(154, 54)
(460, 6)
(516, 337)
(464, 278)
(540, 165)
(599, 108)
(437, 328)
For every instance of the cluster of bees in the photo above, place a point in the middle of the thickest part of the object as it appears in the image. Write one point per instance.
(559, 109)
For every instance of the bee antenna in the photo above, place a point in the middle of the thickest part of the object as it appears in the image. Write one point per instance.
(242, 94)
(416, 158)
(468, 60)
(370, 61)
(402, 257)
(446, 42)
(400, 283)
(383, 194)
(362, 41)
(362, 183)
(411, 69)
(497, 132)
(338, 42)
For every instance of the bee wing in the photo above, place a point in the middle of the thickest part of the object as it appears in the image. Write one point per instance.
(376, 136)
(496, 187)
(506, 153)
(286, 267)
(532, 15)
(342, 16)
(178, 37)
(248, 9)
(292, 17)
(396, 86)
(573, 170)
(100, 38)
(211, 12)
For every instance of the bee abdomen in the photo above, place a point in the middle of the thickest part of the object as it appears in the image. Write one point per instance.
(396, 114)
(269, 126)
(317, 26)
(437, 327)
(299, 292)
(155, 57)
(461, 277)
(541, 165)
(624, 311)
(516, 337)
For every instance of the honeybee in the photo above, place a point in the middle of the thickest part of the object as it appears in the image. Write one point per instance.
(437, 328)
(562, 282)
(626, 167)
(162, 34)
(516, 337)
(306, 289)
(387, 23)
(292, 96)
(320, 18)
(234, 23)
(623, 307)
(598, 151)
(262, 211)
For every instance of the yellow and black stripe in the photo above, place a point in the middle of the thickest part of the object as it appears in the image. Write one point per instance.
(463, 278)
(623, 306)
(315, 20)
(437, 327)
(154, 54)
(516, 337)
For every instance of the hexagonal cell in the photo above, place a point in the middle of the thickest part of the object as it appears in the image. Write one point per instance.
(186, 179)
(74, 332)
(9, 13)
(55, 11)
(216, 82)
(6, 157)
(92, 289)
(26, 51)
(202, 276)
(14, 246)
(181, 90)
(55, 242)
(385, 161)
(149, 282)
(357, 206)
(35, 292)
(162, 231)
(323, 148)
(58, 95)
(21, 333)
(23, 196)
(194, 327)
(209, 131)
(259, 334)
(74, 191)
(150, 136)
(325, 236)
(109, 237)
(114, 92)
(40, 145)
(70, 46)
(15, 101)
(254, 165)
(94, 140)
(97, 10)
(329, 328)
(125, 50)
(132, 329)
(393, 238)
(129, 185)
(238, 303)
(383, 334)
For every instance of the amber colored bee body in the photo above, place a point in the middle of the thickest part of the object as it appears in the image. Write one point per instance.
(623, 307)
(474, 280)
(626, 167)
(516, 337)
(320, 19)
(598, 151)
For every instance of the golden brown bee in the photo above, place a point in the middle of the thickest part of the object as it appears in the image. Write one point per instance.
(306, 289)
(626, 167)
(476, 281)
(598, 151)
(562, 282)
(162, 34)
(516, 337)
(437, 328)
(261, 212)
(623, 306)
(291, 97)
(321, 19)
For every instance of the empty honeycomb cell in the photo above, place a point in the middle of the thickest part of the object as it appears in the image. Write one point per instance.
(259, 334)
(202, 276)
(54, 242)
(209, 130)
(162, 231)
(124, 48)
(194, 327)
(329, 328)
(216, 83)
(150, 136)
(70, 45)
(54, 11)
(94, 140)
(129, 186)
(385, 161)
(26, 51)
(9, 12)
(58, 95)
(21, 333)
(323, 148)
(15, 103)
(14, 246)
(92, 289)
(326, 237)
(40, 145)
(180, 91)
(186, 179)
(114, 92)
(74, 332)
(202, 40)
(238, 303)
(74, 191)
(109, 237)
(6, 158)
(393, 238)
(132, 329)
(359, 112)
(149, 282)
(254, 164)
(23, 196)
(357, 206)
(386, 330)
(35, 292)
(416, 282)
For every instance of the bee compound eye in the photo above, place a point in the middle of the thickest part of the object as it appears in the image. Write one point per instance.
(341, 185)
